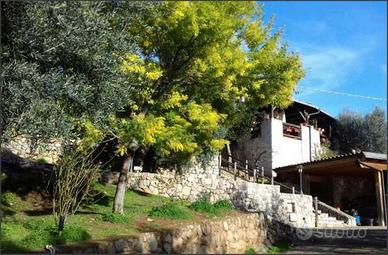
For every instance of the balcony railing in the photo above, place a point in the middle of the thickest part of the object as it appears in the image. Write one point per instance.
(292, 131)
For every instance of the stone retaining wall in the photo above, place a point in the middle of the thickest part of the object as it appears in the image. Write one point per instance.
(233, 234)
(293, 209)
(25, 148)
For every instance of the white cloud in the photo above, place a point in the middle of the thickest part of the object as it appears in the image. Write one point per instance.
(329, 67)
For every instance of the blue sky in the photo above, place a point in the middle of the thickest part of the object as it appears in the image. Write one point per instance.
(343, 47)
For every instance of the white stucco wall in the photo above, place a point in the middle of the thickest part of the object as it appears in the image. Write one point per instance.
(289, 151)
(277, 150)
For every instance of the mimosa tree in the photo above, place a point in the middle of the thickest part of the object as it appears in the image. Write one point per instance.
(196, 63)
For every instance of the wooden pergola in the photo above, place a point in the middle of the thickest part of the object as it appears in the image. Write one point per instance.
(368, 167)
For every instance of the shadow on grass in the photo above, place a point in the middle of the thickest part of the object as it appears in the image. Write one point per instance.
(141, 193)
(24, 175)
(7, 212)
(99, 198)
(10, 247)
(86, 212)
(43, 212)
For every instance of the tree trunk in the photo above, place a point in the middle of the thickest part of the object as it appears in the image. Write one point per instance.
(61, 223)
(118, 205)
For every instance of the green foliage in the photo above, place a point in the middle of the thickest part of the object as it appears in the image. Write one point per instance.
(8, 199)
(20, 226)
(115, 218)
(11, 237)
(192, 72)
(203, 205)
(168, 76)
(250, 251)
(42, 232)
(171, 210)
(73, 176)
(278, 248)
(365, 133)
(41, 161)
(326, 151)
(223, 205)
(60, 62)
(72, 233)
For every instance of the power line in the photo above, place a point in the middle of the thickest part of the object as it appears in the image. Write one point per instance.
(345, 94)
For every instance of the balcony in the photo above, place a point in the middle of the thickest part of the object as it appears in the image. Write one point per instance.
(292, 131)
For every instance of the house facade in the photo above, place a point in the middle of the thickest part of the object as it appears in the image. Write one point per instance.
(285, 137)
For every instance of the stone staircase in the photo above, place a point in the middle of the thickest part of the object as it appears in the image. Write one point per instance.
(327, 216)
(326, 221)
(330, 217)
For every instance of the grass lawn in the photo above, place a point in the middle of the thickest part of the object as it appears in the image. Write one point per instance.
(26, 228)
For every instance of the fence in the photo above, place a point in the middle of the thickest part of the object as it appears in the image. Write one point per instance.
(331, 211)
(242, 169)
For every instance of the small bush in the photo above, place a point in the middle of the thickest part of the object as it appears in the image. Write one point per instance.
(203, 205)
(115, 218)
(42, 161)
(250, 251)
(224, 205)
(278, 248)
(170, 211)
(8, 199)
(44, 232)
(71, 233)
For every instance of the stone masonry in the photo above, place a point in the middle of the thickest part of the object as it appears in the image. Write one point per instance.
(24, 148)
(233, 234)
(197, 181)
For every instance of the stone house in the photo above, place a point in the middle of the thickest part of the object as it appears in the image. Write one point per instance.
(284, 137)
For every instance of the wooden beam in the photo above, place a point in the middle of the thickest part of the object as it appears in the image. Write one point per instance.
(379, 197)
(374, 165)
(306, 184)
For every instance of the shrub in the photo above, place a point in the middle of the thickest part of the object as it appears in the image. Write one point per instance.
(42, 161)
(8, 198)
(250, 251)
(45, 232)
(171, 211)
(224, 205)
(72, 233)
(278, 248)
(115, 218)
(203, 205)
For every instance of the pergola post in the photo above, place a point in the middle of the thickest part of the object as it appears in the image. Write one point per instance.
(306, 184)
(380, 198)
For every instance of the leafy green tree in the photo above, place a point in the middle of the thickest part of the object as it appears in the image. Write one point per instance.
(60, 68)
(60, 65)
(362, 133)
(174, 77)
(201, 68)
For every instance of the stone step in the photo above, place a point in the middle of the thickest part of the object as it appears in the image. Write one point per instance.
(323, 214)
